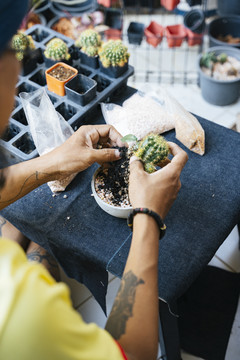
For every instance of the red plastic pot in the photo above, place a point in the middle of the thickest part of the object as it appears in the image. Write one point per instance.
(154, 33)
(175, 35)
(114, 34)
(194, 38)
(169, 4)
(107, 3)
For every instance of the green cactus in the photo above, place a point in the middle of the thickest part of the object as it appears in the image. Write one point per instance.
(152, 149)
(88, 38)
(113, 53)
(90, 50)
(21, 43)
(56, 49)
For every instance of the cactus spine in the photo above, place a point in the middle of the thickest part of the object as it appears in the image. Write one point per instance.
(114, 53)
(57, 49)
(20, 43)
(151, 150)
(89, 41)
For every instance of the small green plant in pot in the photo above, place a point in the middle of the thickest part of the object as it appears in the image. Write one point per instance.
(22, 43)
(56, 50)
(26, 51)
(114, 57)
(89, 42)
(152, 149)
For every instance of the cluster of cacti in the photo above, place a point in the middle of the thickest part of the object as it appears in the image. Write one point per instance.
(57, 49)
(113, 53)
(209, 59)
(89, 41)
(152, 149)
(22, 42)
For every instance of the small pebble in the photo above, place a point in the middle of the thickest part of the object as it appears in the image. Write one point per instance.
(68, 217)
(65, 196)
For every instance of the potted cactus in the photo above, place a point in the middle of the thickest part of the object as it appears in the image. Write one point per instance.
(26, 52)
(113, 57)
(110, 185)
(89, 42)
(152, 149)
(56, 50)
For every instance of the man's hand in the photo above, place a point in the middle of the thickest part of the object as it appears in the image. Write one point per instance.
(157, 191)
(91, 143)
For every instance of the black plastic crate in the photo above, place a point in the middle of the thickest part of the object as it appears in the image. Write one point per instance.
(17, 140)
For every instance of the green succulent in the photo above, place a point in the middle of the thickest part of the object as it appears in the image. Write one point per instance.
(113, 53)
(90, 50)
(152, 149)
(22, 42)
(209, 59)
(56, 49)
(88, 38)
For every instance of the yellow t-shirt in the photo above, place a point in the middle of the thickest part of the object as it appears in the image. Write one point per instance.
(37, 321)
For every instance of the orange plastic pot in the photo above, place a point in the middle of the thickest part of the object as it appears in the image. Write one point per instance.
(154, 33)
(169, 4)
(55, 85)
(194, 38)
(114, 34)
(175, 35)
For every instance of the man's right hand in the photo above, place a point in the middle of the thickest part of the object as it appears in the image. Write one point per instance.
(157, 191)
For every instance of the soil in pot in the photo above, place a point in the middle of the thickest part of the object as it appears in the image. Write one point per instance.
(61, 73)
(111, 184)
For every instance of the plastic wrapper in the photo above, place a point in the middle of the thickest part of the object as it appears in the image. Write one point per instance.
(155, 112)
(48, 128)
(188, 129)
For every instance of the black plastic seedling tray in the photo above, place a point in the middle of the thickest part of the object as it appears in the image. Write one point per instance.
(17, 140)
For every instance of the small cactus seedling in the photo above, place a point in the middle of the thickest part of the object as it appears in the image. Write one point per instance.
(89, 41)
(21, 43)
(113, 53)
(57, 49)
(152, 149)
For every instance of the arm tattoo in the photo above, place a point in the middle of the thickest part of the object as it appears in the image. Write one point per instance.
(36, 255)
(35, 175)
(2, 223)
(123, 305)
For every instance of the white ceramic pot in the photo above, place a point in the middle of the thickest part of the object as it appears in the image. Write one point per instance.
(110, 209)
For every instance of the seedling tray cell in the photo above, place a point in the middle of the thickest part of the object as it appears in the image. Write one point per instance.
(11, 131)
(19, 116)
(25, 143)
(17, 140)
(39, 77)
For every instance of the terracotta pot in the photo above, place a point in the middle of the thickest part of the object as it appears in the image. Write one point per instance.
(114, 34)
(107, 3)
(193, 38)
(169, 4)
(55, 85)
(175, 35)
(154, 33)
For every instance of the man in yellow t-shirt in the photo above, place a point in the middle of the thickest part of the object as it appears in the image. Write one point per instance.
(37, 321)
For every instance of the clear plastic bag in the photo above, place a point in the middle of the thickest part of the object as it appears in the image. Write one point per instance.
(48, 128)
(155, 112)
(139, 115)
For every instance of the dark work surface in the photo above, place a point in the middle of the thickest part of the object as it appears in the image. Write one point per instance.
(87, 241)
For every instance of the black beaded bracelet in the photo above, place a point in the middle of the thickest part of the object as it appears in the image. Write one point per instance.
(157, 218)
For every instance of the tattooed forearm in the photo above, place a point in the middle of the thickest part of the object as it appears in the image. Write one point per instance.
(123, 305)
(36, 255)
(30, 183)
(2, 223)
